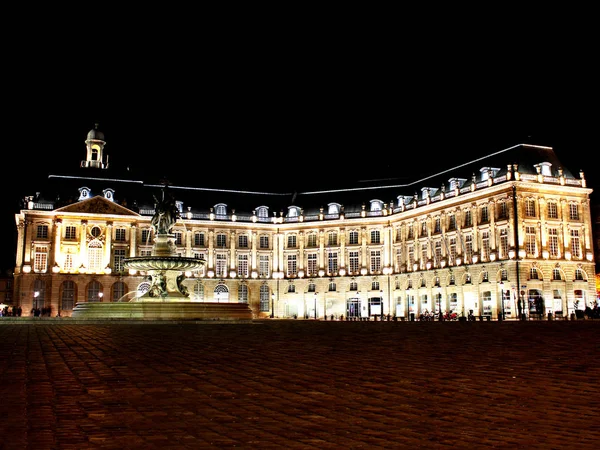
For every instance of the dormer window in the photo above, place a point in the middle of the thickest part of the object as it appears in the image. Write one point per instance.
(262, 212)
(333, 208)
(109, 194)
(221, 209)
(545, 169)
(293, 211)
(376, 205)
(84, 193)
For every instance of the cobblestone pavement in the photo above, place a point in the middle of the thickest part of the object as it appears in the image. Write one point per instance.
(298, 384)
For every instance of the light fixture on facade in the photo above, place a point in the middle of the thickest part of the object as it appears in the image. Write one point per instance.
(363, 271)
(55, 268)
(342, 272)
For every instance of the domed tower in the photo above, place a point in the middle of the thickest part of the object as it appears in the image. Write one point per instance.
(95, 148)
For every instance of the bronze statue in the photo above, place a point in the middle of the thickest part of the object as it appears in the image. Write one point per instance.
(166, 213)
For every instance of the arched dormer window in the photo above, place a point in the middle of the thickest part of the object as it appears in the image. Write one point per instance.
(293, 211)
(84, 193)
(376, 205)
(109, 194)
(262, 212)
(221, 209)
(333, 208)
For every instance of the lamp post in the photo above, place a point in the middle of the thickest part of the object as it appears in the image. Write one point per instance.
(36, 294)
(439, 299)
(315, 305)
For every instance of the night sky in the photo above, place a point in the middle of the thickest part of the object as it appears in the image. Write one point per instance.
(293, 117)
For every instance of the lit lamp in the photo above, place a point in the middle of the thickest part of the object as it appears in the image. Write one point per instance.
(100, 295)
(36, 294)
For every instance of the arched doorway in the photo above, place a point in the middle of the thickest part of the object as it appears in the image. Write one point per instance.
(221, 294)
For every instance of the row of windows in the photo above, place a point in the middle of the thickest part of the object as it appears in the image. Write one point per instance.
(120, 234)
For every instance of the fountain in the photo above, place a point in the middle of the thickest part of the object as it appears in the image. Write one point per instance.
(167, 297)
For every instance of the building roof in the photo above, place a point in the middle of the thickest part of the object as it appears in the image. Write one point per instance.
(137, 191)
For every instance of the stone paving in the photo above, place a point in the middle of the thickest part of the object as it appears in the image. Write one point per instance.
(295, 384)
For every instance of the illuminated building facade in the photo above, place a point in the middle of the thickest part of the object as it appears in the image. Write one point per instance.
(508, 236)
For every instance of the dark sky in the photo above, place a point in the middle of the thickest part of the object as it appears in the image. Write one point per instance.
(312, 112)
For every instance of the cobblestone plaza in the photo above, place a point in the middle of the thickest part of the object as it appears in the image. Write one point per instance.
(299, 384)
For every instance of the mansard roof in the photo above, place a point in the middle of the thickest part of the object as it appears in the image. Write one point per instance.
(136, 192)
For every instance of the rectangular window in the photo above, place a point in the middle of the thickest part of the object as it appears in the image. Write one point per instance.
(332, 262)
(399, 257)
(292, 266)
(438, 253)
(68, 262)
(264, 266)
(485, 218)
(264, 242)
(242, 268)
(353, 238)
(575, 244)
(375, 261)
(243, 241)
(199, 239)
(291, 241)
(573, 211)
(530, 207)
(220, 265)
(146, 236)
(332, 239)
(178, 238)
(424, 257)
(468, 249)
(552, 210)
(311, 266)
(375, 237)
(451, 222)
(468, 218)
(411, 233)
(530, 245)
(221, 240)
(353, 262)
(70, 232)
(120, 235)
(118, 257)
(452, 250)
(502, 211)
(40, 263)
(312, 240)
(503, 243)
(42, 232)
(485, 245)
(438, 225)
(553, 242)
(411, 256)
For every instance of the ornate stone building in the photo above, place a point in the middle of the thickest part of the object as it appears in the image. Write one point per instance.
(509, 235)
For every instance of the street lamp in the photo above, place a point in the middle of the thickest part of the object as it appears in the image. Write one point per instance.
(36, 294)
(439, 298)
(316, 305)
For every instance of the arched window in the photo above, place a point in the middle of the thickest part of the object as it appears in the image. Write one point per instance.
(118, 291)
(243, 293)
(67, 295)
(94, 292)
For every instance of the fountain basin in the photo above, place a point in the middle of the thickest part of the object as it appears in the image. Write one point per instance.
(163, 263)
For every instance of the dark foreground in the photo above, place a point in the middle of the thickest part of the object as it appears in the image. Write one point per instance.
(300, 385)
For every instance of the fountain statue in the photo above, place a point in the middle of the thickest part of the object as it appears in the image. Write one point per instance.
(167, 297)
(165, 267)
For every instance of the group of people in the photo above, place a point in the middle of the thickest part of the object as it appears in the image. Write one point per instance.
(11, 311)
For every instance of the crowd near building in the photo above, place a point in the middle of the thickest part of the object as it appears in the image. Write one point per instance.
(506, 237)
